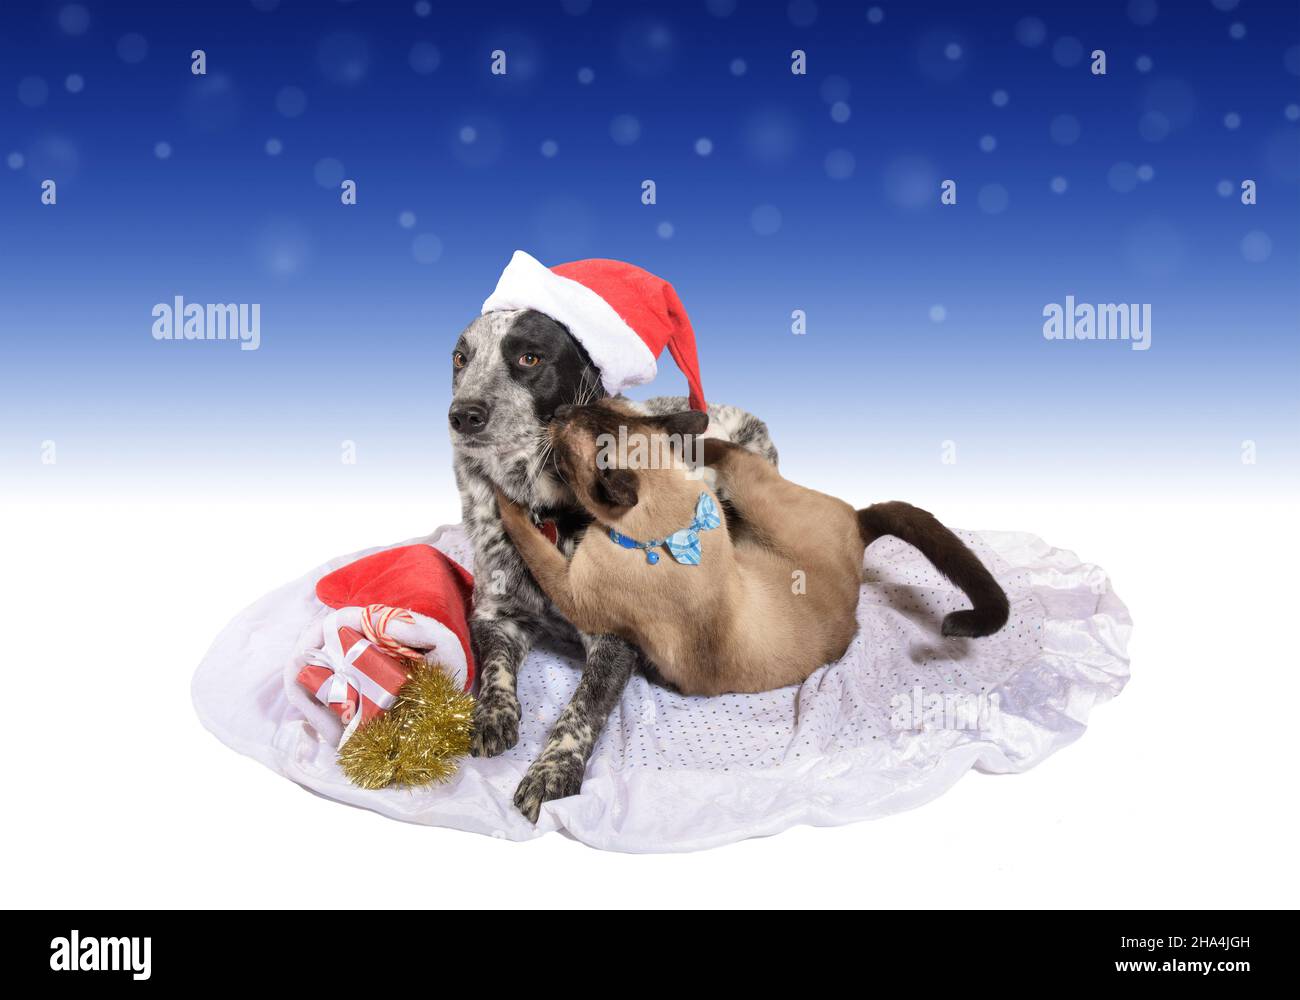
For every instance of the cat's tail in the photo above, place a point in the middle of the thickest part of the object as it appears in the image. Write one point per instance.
(950, 556)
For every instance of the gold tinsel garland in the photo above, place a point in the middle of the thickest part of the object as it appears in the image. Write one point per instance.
(418, 740)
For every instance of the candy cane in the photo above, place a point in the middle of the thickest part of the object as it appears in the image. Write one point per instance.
(377, 631)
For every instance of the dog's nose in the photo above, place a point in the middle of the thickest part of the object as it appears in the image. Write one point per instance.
(563, 412)
(468, 418)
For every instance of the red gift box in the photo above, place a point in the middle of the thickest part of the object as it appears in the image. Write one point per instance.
(352, 673)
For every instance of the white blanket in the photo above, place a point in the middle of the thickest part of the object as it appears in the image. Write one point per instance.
(891, 725)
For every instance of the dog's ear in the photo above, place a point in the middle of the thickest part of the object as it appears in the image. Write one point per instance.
(616, 487)
(686, 423)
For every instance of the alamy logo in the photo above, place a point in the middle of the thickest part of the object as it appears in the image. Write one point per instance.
(179, 320)
(101, 954)
(959, 710)
(649, 451)
(1105, 321)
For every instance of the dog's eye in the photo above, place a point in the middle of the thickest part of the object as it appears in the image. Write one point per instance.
(529, 360)
(458, 359)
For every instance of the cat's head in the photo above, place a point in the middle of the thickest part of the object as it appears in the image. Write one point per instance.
(615, 458)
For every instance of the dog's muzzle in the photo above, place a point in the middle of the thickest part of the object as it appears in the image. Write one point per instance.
(469, 417)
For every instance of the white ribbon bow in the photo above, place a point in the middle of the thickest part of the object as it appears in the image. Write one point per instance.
(345, 675)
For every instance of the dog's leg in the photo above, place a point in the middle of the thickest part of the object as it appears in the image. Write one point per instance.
(558, 770)
(500, 645)
(502, 627)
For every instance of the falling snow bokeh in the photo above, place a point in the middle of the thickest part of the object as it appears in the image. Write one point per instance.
(772, 190)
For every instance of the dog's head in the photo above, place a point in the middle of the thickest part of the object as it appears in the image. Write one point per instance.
(616, 459)
(511, 370)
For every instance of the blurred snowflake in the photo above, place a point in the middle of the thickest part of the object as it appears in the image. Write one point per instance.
(291, 101)
(840, 164)
(1122, 177)
(1065, 130)
(328, 172)
(343, 57)
(802, 13)
(1142, 12)
(1031, 32)
(1067, 51)
(624, 129)
(132, 48)
(424, 58)
(765, 220)
(1256, 247)
(33, 91)
(426, 248)
(647, 47)
(993, 199)
(74, 19)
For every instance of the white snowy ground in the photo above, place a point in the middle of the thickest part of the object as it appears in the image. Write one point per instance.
(1182, 792)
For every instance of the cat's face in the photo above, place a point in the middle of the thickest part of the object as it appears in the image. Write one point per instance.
(609, 454)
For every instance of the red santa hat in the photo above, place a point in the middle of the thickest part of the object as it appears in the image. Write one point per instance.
(622, 315)
(431, 592)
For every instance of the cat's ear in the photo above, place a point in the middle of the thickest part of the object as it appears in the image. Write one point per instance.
(684, 423)
(616, 487)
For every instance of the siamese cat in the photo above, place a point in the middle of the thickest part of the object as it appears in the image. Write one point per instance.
(752, 595)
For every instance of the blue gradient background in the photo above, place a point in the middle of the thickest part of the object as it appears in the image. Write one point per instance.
(356, 332)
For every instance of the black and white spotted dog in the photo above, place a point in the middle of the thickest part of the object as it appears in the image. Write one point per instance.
(511, 370)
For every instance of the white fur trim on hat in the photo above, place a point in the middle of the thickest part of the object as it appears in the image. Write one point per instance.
(616, 350)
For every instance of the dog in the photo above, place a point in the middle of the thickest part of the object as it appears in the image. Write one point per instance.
(511, 370)
(718, 610)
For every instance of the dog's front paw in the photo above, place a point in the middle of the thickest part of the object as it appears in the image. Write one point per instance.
(547, 779)
(496, 724)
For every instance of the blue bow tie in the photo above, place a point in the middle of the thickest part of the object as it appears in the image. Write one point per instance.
(684, 545)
